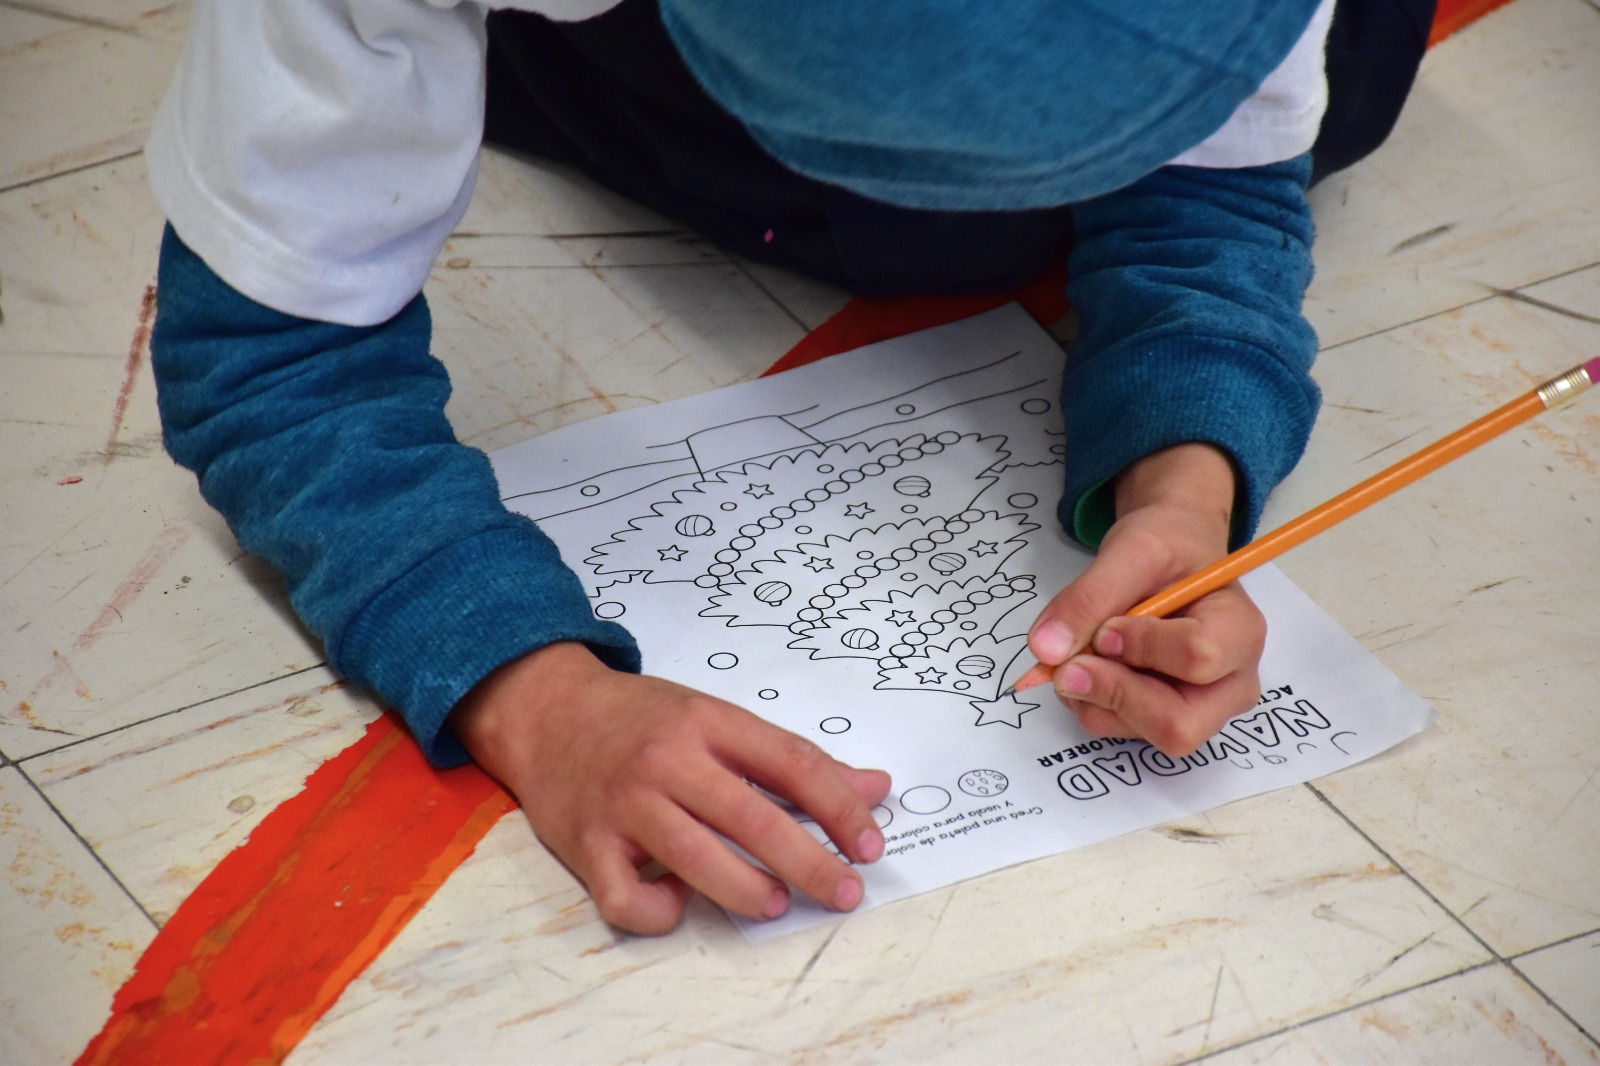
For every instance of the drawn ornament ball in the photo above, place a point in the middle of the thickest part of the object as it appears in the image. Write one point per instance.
(913, 485)
(695, 525)
(773, 592)
(976, 666)
(948, 562)
(860, 640)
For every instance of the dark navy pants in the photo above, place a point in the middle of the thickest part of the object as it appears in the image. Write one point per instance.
(610, 96)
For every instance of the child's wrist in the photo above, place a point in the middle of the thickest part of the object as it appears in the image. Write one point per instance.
(500, 713)
(1194, 477)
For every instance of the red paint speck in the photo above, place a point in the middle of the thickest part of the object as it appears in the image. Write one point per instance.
(70, 479)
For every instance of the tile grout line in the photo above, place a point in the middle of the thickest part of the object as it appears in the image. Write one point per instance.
(1553, 944)
(744, 268)
(1492, 293)
(62, 818)
(1407, 874)
(70, 170)
(1558, 1008)
(1236, 1045)
(167, 714)
(46, 11)
(1458, 919)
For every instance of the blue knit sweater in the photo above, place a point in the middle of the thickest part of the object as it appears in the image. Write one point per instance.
(327, 449)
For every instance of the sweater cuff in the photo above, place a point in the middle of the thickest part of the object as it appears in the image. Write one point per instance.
(1180, 390)
(471, 607)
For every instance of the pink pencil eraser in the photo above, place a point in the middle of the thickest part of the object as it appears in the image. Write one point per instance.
(1592, 368)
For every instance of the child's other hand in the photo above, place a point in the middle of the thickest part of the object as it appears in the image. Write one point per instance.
(614, 770)
(1171, 681)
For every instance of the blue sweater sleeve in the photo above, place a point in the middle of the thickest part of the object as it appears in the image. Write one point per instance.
(327, 450)
(1189, 283)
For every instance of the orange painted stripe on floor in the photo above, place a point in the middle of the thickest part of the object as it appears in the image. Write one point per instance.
(271, 938)
(1452, 15)
(866, 321)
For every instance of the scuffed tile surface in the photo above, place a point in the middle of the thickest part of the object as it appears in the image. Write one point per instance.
(162, 802)
(1485, 1017)
(1154, 947)
(1569, 973)
(69, 935)
(99, 80)
(1487, 182)
(1470, 586)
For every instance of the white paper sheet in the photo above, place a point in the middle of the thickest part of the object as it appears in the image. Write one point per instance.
(855, 550)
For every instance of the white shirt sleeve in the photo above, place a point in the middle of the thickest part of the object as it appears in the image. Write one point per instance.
(317, 153)
(1281, 120)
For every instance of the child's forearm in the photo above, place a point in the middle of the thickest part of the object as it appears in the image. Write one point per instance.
(1190, 283)
(327, 449)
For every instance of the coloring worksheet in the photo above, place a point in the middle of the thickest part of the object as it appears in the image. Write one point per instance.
(855, 550)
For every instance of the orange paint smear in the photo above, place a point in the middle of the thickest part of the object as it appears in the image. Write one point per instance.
(166, 544)
(130, 370)
(270, 939)
(867, 321)
(1452, 15)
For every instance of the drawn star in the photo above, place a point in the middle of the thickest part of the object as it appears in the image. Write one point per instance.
(930, 676)
(672, 554)
(858, 510)
(817, 564)
(902, 618)
(1007, 710)
(984, 547)
(758, 491)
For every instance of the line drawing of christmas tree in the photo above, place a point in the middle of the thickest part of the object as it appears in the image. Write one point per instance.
(881, 552)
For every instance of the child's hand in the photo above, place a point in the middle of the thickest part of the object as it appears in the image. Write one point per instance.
(614, 770)
(1171, 681)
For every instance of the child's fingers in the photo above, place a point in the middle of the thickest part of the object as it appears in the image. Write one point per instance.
(1209, 641)
(687, 847)
(802, 773)
(1129, 568)
(774, 838)
(871, 785)
(1175, 718)
(1099, 721)
(628, 901)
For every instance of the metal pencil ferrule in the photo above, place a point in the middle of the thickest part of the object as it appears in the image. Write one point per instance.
(1559, 390)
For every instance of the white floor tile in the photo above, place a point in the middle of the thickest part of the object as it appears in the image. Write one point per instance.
(1488, 180)
(1471, 585)
(163, 802)
(1569, 973)
(1154, 947)
(99, 82)
(1484, 1017)
(533, 346)
(68, 934)
(122, 594)
(78, 254)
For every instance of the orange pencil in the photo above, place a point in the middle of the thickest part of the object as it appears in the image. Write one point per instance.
(1266, 548)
